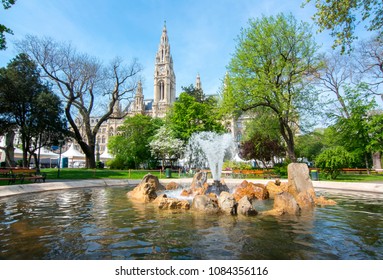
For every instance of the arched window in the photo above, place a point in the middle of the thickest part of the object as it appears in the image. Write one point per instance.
(111, 131)
(162, 90)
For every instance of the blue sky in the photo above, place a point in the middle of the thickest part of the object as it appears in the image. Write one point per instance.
(202, 33)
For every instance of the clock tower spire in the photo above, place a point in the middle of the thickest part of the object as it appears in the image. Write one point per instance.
(164, 77)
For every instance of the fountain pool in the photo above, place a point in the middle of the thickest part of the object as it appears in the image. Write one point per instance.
(102, 223)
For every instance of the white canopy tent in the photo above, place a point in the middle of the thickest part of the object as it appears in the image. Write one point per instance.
(238, 159)
(74, 156)
(46, 157)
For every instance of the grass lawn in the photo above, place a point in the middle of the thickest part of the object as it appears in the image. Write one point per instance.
(372, 178)
(82, 173)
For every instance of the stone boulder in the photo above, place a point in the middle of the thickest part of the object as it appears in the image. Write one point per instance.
(153, 181)
(322, 201)
(251, 190)
(275, 188)
(186, 192)
(299, 178)
(245, 207)
(306, 200)
(164, 202)
(227, 203)
(199, 180)
(284, 203)
(144, 192)
(198, 186)
(172, 186)
(205, 203)
(194, 191)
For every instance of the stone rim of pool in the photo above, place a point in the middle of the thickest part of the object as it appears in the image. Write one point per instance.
(10, 190)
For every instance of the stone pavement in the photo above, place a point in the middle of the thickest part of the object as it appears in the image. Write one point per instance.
(9, 190)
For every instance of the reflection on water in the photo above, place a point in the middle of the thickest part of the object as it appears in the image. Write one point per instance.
(101, 223)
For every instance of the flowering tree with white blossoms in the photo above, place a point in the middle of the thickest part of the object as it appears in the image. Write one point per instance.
(165, 146)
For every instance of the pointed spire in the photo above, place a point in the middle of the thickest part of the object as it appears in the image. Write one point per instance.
(164, 36)
(139, 89)
(198, 84)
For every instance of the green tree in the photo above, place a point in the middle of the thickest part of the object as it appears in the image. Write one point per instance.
(353, 132)
(84, 84)
(375, 130)
(165, 146)
(309, 145)
(3, 29)
(341, 17)
(274, 58)
(262, 140)
(188, 116)
(332, 160)
(197, 93)
(29, 105)
(131, 146)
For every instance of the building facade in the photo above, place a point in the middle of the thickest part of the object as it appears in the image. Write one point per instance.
(164, 94)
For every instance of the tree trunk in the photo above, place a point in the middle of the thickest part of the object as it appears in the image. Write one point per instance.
(9, 149)
(288, 136)
(367, 165)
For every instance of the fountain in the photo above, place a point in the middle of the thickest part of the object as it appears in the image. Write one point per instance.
(214, 147)
(100, 223)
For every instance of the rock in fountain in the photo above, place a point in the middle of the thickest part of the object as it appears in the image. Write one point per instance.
(299, 195)
(291, 198)
(146, 190)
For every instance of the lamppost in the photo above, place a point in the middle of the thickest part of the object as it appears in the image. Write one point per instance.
(97, 152)
(59, 163)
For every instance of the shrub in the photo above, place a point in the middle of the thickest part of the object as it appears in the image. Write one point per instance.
(332, 160)
(281, 169)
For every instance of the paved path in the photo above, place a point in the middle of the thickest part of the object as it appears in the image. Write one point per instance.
(10, 190)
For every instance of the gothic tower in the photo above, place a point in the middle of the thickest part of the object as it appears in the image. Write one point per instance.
(198, 84)
(164, 77)
(138, 105)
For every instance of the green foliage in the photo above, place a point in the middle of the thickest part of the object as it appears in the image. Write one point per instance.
(188, 116)
(230, 165)
(332, 160)
(273, 59)
(309, 145)
(341, 17)
(3, 29)
(375, 130)
(30, 105)
(281, 169)
(198, 94)
(353, 132)
(100, 165)
(131, 145)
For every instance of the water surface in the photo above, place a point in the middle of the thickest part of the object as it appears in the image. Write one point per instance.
(102, 223)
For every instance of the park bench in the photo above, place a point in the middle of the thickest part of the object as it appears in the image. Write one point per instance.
(266, 174)
(6, 175)
(354, 170)
(28, 174)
